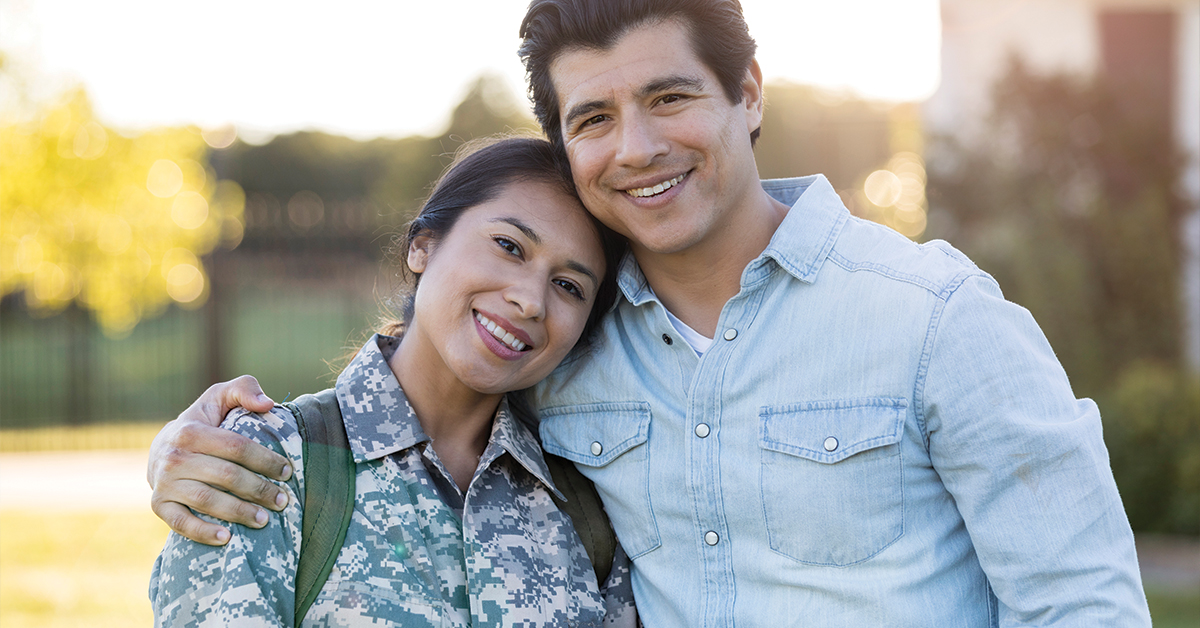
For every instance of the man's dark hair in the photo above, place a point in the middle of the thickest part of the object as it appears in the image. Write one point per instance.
(716, 28)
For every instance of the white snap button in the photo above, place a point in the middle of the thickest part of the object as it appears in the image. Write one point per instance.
(830, 444)
(702, 430)
(598, 449)
(730, 334)
(712, 538)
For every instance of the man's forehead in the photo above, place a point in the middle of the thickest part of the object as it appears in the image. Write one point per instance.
(655, 52)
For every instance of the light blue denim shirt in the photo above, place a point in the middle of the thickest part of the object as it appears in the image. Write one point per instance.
(875, 438)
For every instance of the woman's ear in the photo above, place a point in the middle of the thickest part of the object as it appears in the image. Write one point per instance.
(418, 253)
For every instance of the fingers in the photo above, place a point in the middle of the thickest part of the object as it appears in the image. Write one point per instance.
(220, 460)
(183, 522)
(220, 398)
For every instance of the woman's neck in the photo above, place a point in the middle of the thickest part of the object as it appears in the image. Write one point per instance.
(457, 418)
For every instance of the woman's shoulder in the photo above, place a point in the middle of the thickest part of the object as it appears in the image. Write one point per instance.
(275, 429)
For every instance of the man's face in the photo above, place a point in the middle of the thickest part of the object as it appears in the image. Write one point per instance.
(658, 152)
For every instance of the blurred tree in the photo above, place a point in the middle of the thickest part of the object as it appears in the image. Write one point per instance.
(1071, 204)
(114, 223)
(807, 129)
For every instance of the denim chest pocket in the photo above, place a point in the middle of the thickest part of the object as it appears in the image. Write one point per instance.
(607, 441)
(831, 478)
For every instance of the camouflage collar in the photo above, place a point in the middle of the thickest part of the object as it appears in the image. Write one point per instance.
(379, 420)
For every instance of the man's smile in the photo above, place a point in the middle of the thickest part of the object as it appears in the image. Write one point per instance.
(659, 188)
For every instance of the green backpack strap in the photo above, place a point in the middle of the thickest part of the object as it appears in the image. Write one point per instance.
(328, 492)
(586, 512)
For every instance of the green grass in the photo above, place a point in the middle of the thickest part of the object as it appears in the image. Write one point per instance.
(1174, 610)
(77, 569)
(92, 569)
(82, 438)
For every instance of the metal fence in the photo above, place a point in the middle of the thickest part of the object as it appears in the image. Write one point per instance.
(61, 370)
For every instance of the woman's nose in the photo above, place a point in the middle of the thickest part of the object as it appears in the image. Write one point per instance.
(529, 297)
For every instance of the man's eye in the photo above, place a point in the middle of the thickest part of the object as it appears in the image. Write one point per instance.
(508, 245)
(670, 98)
(592, 120)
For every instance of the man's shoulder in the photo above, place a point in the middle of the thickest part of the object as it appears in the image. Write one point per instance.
(934, 265)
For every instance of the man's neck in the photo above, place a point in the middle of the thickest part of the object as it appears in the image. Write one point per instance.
(694, 284)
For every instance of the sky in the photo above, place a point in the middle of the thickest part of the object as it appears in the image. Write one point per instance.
(392, 68)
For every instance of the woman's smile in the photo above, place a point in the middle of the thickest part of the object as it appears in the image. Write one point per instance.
(499, 339)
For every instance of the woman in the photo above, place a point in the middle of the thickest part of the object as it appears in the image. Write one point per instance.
(453, 522)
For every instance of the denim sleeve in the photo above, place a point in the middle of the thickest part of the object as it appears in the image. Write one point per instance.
(250, 581)
(1026, 465)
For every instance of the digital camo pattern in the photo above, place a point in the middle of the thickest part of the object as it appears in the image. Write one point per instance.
(408, 560)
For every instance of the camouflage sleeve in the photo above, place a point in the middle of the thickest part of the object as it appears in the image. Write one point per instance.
(250, 581)
(617, 591)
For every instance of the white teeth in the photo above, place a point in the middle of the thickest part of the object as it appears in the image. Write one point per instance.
(500, 333)
(657, 189)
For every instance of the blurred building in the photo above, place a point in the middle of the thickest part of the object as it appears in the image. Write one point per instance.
(1151, 48)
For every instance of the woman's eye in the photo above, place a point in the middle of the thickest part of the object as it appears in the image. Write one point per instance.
(571, 288)
(508, 245)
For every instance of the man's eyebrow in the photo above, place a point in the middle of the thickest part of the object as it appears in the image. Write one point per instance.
(671, 83)
(583, 109)
(657, 86)
(519, 224)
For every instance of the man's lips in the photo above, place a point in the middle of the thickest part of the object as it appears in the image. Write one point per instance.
(656, 188)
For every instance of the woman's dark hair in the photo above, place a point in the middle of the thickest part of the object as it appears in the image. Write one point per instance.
(480, 172)
(719, 36)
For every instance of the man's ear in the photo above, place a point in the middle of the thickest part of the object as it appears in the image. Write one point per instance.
(418, 253)
(752, 96)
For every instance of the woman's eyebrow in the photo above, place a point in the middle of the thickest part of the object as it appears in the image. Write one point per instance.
(533, 236)
(583, 270)
(524, 228)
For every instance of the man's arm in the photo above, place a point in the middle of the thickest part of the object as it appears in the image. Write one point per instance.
(195, 464)
(1026, 464)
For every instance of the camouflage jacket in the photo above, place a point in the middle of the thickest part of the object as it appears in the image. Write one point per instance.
(418, 551)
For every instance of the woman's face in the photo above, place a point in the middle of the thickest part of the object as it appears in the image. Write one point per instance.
(504, 296)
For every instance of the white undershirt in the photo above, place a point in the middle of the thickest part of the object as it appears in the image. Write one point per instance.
(699, 342)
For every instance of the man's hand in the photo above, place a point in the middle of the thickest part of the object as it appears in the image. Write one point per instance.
(195, 463)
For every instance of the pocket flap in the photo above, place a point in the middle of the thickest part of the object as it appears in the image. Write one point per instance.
(594, 434)
(831, 431)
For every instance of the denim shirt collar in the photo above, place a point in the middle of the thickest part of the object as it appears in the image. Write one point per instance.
(800, 245)
(380, 421)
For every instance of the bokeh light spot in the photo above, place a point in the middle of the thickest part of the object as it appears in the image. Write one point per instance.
(185, 283)
(49, 282)
(91, 140)
(194, 176)
(165, 178)
(29, 254)
(883, 188)
(220, 137)
(189, 210)
(305, 209)
(114, 235)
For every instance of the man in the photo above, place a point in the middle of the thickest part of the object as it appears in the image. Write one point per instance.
(793, 417)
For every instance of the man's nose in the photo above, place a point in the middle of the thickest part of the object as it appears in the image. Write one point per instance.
(640, 142)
